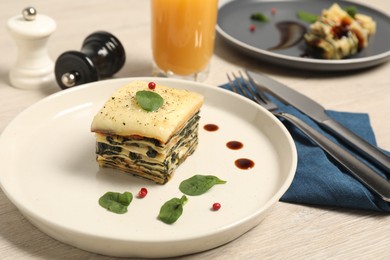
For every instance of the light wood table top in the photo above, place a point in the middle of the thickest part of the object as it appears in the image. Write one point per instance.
(290, 231)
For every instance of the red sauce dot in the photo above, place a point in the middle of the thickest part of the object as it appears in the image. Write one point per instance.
(234, 145)
(244, 164)
(211, 127)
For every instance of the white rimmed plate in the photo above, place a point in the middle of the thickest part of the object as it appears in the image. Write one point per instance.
(234, 22)
(48, 170)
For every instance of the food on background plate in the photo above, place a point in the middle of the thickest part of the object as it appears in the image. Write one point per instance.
(337, 34)
(147, 129)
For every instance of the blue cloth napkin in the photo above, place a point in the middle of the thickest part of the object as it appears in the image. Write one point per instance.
(319, 180)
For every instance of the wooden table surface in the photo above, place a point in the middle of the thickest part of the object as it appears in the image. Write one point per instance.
(290, 231)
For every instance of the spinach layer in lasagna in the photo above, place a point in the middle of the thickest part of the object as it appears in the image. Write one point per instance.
(146, 144)
(337, 34)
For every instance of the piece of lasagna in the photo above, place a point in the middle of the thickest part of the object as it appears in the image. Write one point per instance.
(148, 144)
(337, 34)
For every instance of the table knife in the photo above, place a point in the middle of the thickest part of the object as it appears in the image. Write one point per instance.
(317, 113)
(356, 167)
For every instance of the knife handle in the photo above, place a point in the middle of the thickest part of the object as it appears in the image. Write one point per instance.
(370, 152)
(357, 168)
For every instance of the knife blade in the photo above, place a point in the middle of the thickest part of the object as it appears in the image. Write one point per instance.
(317, 113)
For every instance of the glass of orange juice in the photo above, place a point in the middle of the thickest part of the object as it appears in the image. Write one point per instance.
(183, 34)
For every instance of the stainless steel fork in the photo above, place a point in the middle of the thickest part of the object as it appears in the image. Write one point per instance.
(245, 86)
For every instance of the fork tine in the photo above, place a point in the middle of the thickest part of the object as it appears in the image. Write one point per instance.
(242, 85)
(253, 94)
(246, 88)
(236, 85)
(232, 85)
(239, 85)
(259, 92)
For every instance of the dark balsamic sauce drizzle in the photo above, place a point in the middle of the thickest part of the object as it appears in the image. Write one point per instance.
(291, 33)
(244, 164)
(234, 145)
(211, 127)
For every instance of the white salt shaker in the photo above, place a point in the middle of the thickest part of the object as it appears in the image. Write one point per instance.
(33, 68)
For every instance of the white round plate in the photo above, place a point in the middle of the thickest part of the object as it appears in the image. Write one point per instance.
(48, 170)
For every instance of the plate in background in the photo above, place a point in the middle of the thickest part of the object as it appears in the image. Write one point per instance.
(234, 22)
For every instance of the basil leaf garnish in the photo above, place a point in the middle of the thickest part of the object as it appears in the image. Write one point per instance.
(311, 18)
(259, 17)
(172, 210)
(116, 202)
(149, 100)
(199, 184)
(351, 10)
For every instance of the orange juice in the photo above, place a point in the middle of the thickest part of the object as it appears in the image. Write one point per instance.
(183, 34)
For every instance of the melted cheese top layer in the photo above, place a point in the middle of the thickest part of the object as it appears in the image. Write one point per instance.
(121, 114)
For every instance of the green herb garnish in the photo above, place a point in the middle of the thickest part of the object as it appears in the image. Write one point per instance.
(259, 17)
(172, 210)
(149, 100)
(311, 18)
(199, 184)
(351, 10)
(116, 202)
(307, 17)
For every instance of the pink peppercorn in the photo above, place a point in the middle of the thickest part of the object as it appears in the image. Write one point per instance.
(152, 85)
(142, 193)
(216, 206)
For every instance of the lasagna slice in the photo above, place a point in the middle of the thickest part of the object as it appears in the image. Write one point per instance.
(338, 35)
(147, 144)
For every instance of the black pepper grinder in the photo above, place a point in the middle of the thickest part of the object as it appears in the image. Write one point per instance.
(101, 56)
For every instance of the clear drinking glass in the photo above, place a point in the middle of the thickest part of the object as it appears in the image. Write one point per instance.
(183, 35)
